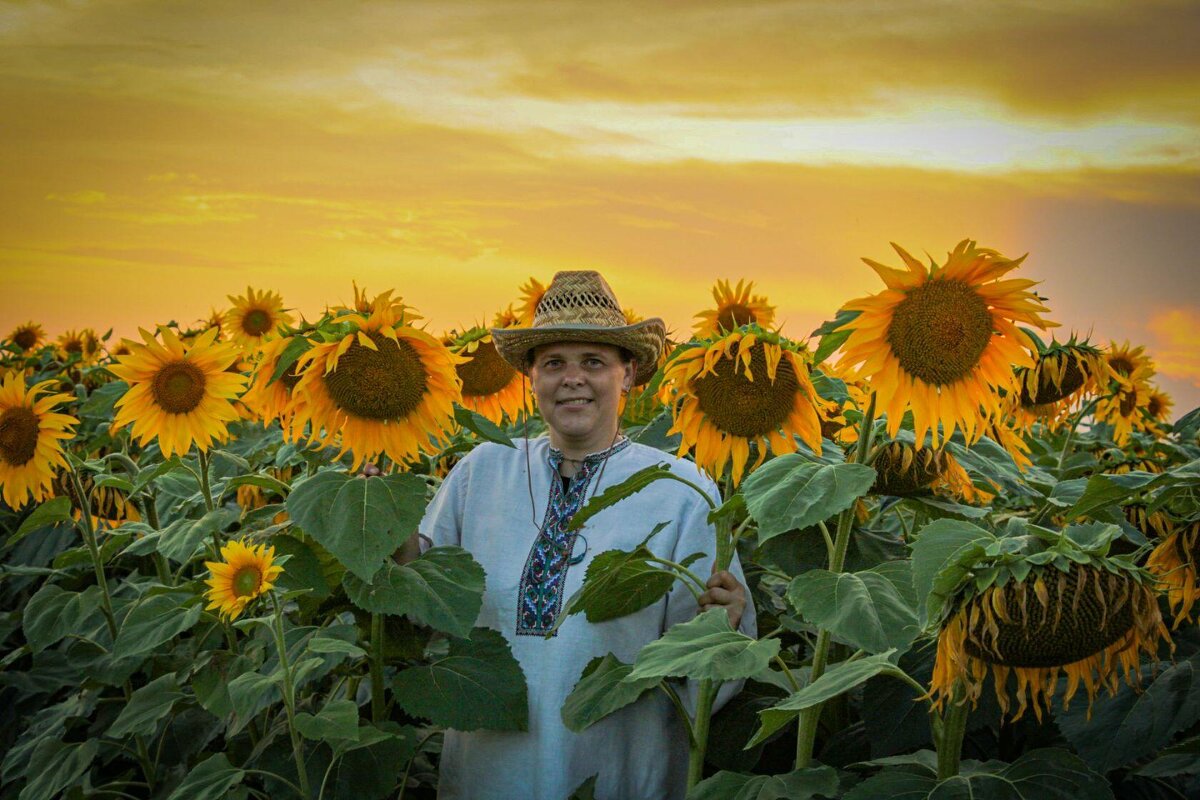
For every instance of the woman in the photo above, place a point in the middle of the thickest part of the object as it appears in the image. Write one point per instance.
(510, 507)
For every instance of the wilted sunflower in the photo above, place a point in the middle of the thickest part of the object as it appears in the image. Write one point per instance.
(735, 308)
(531, 295)
(943, 341)
(749, 385)
(1063, 374)
(28, 336)
(82, 343)
(177, 393)
(30, 430)
(245, 573)
(1091, 621)
(490, 385)
(254, 316)
(110, 506)
(1151, 524)
(1124, 408)
(1174, 563)
(506, 318)
(270, 398)
(902, 470)
(383, 387)
(250, 496)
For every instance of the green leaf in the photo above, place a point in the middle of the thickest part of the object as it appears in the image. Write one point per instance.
(150, 474)
(832, 335)
(443, 589)
(617, 583)
(477, 685)
(146, 707)
(261, 480)
(615, 494)
(1134, 724)
(250, 692)
(209, 780)
(942, 544)
(1093, 537)
(802, 784)
(54, 766)
(1178, 759)
(585, 790)
(791, 492)
(481, 426)
(895, 785)
(113, 481)
(51, 512)
(211, 682)
(338, 720)
(704, 648)
(839, 678)
(360, 521)
(303, 569)
(52, 613)
(325, 645)
(1106, 490)
(601, 691)
(296, 347)
(180, 540)
(863, 609)
(156, 620)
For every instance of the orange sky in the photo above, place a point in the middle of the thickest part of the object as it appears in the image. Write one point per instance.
(159, 156)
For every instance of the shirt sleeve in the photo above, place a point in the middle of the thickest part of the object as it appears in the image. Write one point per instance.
(698, 535)
(443, 520)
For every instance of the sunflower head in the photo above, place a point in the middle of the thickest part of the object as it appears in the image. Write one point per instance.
(490, 385)
(735, 307)
(270, 397)
(27, 336)
(1124, 360)
(1032, 606)
(1125, 407)
(1175, 561)
(1158, 405)
(83, 345)
(531, 295)
(506, 318)
(1061, 371)
(254, 317)
(943, 340)
(378, 385)
(31, 434)
(903, 470)
(178, 394)
(748, 386)
(244, 573)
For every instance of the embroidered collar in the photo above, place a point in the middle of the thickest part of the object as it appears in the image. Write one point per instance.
(556, 455)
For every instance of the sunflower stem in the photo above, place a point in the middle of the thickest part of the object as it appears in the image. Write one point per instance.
(704, 701)
(205, 489)
(954, 725)
(289, 697)
(1066, 448)
(89, 537)
(377, 707)
(807, 736)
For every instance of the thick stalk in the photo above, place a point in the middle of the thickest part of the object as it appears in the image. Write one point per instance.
(289, 698)
(377, 709)
(809, 717)
(1062, 457)
(949, 746)
(704, 701)
(206, 491)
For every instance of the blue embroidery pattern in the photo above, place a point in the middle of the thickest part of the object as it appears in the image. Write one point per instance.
(544, 577)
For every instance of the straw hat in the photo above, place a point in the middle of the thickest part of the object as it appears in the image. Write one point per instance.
(579, 306)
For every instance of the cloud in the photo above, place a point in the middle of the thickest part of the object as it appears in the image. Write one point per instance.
(1175, 343)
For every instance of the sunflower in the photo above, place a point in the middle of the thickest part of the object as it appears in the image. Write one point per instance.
(366, 305)
(1158, 409)
(254, 317)
(110, 506)
(1151, 524)
(28, 336)
(1089, 620)
(273, 399)
(506, 318)
(833, 411)
(747, 386)
(531, 295)
(1174, 563)
(902, 470)
(1124, 360)
(30, 430)
(943, 341)
(250, 497)
(382, 387)
(177, 393)
(735, 307)
(83, 343)
(1124, 408)
(245, 573)
(490, 385)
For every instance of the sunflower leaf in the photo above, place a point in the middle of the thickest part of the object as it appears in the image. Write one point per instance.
(209, 780)
(863, 609)
(443, 588)
(297, 347)
(51, 512)
(790, 492)
(705, 647)
(481, 426)
(615, 494)
(360, 521)
(941, 557)
(146, 707)
(802, 784)
(477, 685)
(601, 691)
(156, 620)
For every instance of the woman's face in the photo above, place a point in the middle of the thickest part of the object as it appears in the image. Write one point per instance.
(578, 388)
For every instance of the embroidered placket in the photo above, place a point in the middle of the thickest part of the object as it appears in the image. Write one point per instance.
(543, 580)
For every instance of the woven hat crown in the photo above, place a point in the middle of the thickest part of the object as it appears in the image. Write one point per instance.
(581, 297)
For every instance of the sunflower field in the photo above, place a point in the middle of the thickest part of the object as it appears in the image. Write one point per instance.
(972, 545)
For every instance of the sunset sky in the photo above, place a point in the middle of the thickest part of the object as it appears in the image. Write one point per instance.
(158, 156)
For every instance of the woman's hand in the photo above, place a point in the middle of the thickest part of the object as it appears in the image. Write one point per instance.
(724, 591)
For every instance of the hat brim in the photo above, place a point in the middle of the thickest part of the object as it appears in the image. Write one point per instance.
(644, 339)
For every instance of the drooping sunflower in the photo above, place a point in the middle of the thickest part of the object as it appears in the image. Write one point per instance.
(735, 307)
(270, 398)
(245, 573)
(27, 336)
(1174, 561)
(1088, 616)
(110, 506)
(490, 385)
(177, 393)
(383, 387)
(1062, 376)
(30, 439)
(254, 317)
(1125, 406)
(747, 386)
(902, 470)
(943, 340)
(531, 295)
(82, 343)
